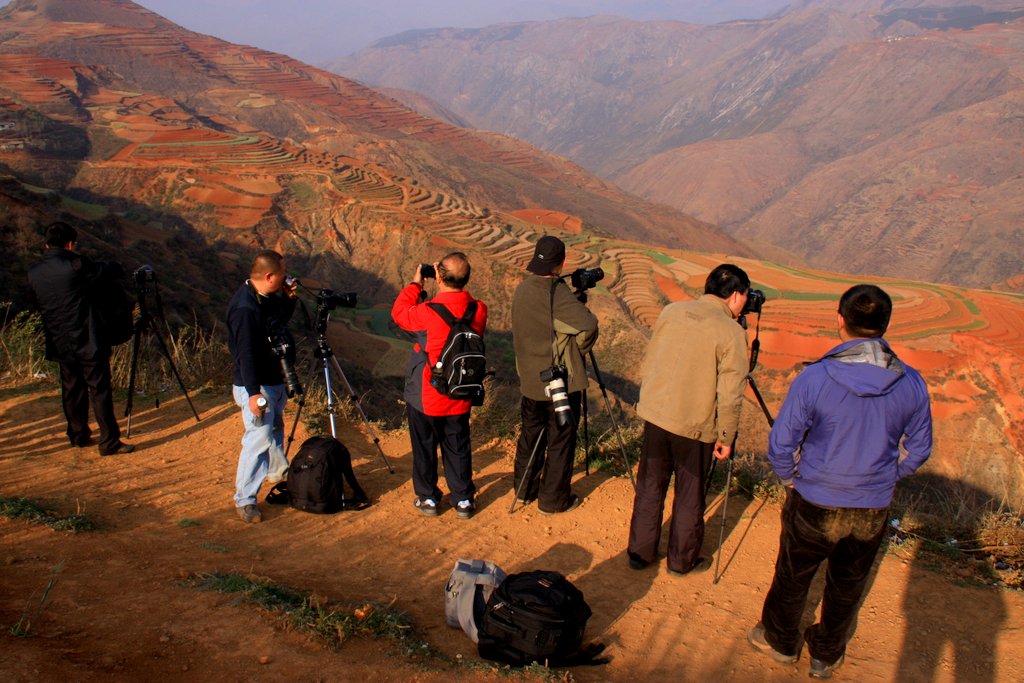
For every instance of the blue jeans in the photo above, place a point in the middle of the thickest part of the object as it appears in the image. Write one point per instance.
(262, 455)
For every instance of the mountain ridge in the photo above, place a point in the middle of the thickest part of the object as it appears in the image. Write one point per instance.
(735, 123)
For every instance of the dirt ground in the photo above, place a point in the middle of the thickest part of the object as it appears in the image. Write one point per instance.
(119, 610)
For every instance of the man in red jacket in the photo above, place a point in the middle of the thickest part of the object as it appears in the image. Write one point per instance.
(436, 419)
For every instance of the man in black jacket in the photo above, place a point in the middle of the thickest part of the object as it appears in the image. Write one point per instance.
(64, 283)
(258, 312)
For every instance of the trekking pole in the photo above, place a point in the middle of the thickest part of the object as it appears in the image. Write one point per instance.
(526, 473)
(725, 510)
(586, 437)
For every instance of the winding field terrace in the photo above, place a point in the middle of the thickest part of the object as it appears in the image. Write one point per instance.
(255, 148)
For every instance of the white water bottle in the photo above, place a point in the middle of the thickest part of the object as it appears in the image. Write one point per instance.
(257, 418)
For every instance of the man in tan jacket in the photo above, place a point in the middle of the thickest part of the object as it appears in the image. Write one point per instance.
(690, 401)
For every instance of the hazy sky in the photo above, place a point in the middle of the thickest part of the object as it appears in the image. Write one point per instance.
(319, 30)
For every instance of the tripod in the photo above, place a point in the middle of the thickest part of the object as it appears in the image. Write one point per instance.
(755, 349)
(327, 361)
(615, 424)
(146, 286)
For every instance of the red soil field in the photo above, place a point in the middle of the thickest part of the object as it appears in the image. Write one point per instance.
(550, 219)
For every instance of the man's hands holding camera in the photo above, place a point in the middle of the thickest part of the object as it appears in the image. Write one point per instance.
(425, 271)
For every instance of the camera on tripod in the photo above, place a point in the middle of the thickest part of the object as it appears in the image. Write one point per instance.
(755, 300)
(554, 386)
(143, 275)
(329, 299)
(283, 345)
(584, 278)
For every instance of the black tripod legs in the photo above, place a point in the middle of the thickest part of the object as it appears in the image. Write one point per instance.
(528, 469)
(146, 324)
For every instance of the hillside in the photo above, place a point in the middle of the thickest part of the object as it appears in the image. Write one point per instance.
(824, 132)
(141, 100)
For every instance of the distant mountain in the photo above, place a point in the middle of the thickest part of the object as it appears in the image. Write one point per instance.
(868, 136)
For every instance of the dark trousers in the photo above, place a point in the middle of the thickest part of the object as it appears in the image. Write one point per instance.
(550, 475)
(848, 538)
(451, 433)
(664, 454)
(78, 379)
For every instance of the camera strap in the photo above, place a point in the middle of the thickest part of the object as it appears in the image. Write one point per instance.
(554, 339)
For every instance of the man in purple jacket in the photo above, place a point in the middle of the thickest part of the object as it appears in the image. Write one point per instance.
(836, 447)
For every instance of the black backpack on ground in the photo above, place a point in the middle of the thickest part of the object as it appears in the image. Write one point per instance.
(462, 365)
(316, 478)
(535, 616)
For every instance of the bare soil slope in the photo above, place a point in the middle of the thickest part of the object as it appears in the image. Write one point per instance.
(120, 611)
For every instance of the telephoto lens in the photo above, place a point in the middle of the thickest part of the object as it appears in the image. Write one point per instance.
(292, 386)
(554, 378)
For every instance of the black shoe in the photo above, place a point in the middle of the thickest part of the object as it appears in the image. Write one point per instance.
(119, 447)
(82, 441)
(636, 563)
(427, 506)
(701, 565)
(465, 509)
(571, 504)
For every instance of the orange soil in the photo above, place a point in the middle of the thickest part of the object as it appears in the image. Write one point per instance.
(550, 219)
(657, 627)
(670, 287)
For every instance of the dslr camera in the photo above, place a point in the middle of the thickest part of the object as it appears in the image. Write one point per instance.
(755, 300)
(584, 278)
(427, 271)
(283, 345)
(554, 386)
(329, 299)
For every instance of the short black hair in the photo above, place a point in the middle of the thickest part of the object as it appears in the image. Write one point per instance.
(866, 310)
(60, 233)
(726, 279)
(266, 261)
(456, 274)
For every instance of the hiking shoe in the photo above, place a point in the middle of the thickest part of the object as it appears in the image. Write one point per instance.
(427, 506)
(571, 504)
(756, 638)
(820, 669)
(701, 565)
(250, 514)
(119, 447)
(464, 509)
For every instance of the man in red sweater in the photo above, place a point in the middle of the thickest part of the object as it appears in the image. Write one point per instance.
(434, 418)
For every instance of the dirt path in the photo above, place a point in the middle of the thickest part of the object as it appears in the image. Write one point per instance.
(119, 610)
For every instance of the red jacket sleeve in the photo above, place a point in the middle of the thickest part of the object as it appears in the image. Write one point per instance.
(404, 311)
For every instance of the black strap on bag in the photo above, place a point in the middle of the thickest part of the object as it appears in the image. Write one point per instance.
(462, 365)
